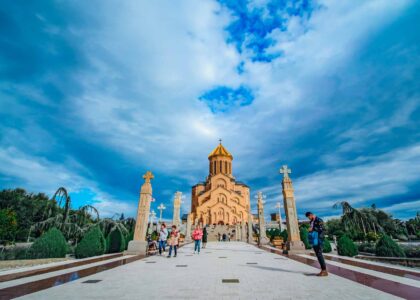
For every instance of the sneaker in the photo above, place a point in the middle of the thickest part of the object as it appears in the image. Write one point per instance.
(323, 273)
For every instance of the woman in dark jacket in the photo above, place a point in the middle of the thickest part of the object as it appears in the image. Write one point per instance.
(204, 240)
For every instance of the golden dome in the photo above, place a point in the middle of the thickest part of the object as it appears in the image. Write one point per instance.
(220, 151)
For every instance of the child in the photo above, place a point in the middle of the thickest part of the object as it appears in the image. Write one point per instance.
(173, 240)
(197, 235)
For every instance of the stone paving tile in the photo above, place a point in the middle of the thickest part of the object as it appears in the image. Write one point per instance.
(202, 279)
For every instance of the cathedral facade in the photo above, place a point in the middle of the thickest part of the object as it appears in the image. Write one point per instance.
(220, 199)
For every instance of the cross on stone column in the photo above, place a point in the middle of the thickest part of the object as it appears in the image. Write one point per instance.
(161, 207)
(148, 176)
(285, 171)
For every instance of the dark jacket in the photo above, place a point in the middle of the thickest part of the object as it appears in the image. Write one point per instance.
(318, 226)
(204, 240)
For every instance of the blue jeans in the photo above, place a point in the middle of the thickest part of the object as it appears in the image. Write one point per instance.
(170, 249)
(162, 245)
(197, 245)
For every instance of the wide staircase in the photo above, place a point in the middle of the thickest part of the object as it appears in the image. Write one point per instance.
(215, 231)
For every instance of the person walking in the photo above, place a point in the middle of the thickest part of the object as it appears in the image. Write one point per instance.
(204, 240)
(173, 241)
(163, 235)
(197, 235)
(317, 225)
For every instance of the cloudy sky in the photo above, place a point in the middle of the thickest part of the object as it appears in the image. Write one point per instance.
(95, 93)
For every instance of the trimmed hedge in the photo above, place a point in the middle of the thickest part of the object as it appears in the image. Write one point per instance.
(304, 237)
(115, 241)
(51, 244)
(326, 247)
(346, 247)
(92, 244)
(386, 247)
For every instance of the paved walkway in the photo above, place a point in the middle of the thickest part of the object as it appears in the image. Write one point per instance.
(261, 275)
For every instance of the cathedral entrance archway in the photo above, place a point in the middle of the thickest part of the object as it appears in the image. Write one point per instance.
(221, 223)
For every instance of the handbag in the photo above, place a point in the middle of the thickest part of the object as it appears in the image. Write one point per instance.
(313, 238)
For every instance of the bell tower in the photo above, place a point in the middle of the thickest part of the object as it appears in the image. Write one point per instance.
(220, 161)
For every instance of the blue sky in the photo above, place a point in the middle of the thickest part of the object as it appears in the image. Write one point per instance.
(95, 93)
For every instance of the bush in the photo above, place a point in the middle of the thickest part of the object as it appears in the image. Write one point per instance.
(8, 225)
(372, 237)
(326, 248)
(367, 247)
(346, 247)
(388, 248)
(92, 244)
(304, 237)
(51, 244)
(412, 252)
(115, 241)
(284, 235)
(13, 253)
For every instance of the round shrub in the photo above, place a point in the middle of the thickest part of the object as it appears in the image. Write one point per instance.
(346, 247)
(388, 248)
(51, 244)
(115, 241)
(304, 237)
(92, 244)
(326, 247)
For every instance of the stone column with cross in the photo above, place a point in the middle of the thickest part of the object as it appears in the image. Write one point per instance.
(176, 219)
(188, 229)
(293, 244)
(250, 229)
(263, 240)
(243, 231)
(138, 245)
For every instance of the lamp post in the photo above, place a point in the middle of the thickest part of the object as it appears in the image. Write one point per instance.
(279, 206)
(152, 219)
(161, 207)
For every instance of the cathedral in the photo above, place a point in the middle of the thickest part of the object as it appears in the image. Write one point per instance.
(220, 199)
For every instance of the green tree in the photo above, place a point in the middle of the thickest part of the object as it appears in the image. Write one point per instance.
(8, 225)
(346, 247)
(92, 244)
(388, 248)
(304, 237)
(334, 227)
(115, 241)
(326, 247)
(51, 244)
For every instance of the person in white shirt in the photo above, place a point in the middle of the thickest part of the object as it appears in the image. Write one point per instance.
(163, 235)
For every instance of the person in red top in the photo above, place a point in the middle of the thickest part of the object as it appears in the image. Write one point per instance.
(197, 235)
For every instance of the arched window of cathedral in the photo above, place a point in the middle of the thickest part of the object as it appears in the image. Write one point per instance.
(214, 167)
(230, 168)
(220, 167)
(226, 167)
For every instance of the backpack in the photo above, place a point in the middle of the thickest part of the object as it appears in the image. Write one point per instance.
(313, 238)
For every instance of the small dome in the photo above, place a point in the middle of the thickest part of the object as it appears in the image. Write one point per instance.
(220, 151)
